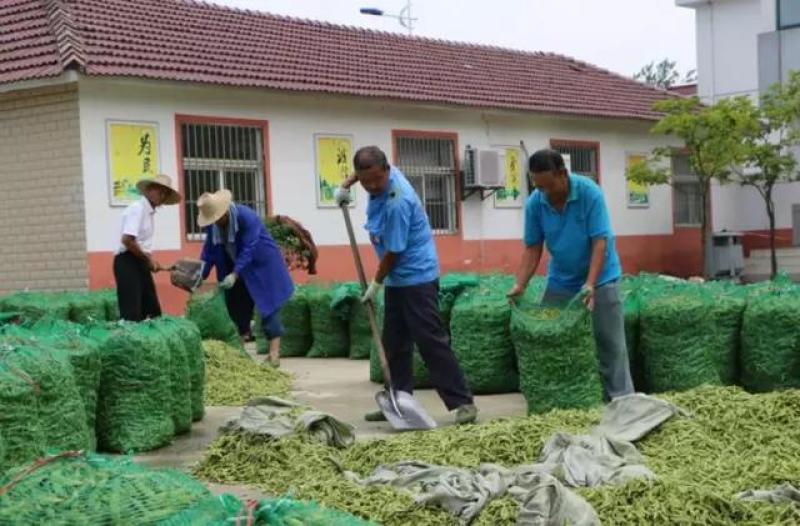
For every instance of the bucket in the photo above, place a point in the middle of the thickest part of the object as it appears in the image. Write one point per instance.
(187, 274)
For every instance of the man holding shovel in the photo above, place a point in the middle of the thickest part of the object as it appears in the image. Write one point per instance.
(568, 214)
(401, 235)
(250, 266)
(134, 264)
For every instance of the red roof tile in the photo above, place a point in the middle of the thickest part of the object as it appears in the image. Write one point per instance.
(185, 40)
(687, 90)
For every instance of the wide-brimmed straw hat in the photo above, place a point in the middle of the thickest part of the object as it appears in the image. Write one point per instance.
(211, 207)
(163, 181)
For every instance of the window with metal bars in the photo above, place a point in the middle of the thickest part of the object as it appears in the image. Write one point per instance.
(217, 156)
(582, 158)
(686, 192)
(430, 166)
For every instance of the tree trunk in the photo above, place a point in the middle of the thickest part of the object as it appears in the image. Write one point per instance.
(772, 250)
(704, 270)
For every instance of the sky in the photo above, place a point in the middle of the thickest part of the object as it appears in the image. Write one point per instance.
(620, 35)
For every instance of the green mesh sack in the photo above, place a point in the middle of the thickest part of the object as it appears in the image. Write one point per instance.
(209, 313)
(83, 353)
(450, 286)
(196, 359)
(36, 305)
(481, 337)
(346, 303)
(85, 489)
(296, 319)
(422, 378)
(329, 330)
(180, 386)
(86, 307)
(728, 303)
(675, 329)
(133, 411)
(224, 510)
(770, 355)
(55, 415)
(109, 297)
(630, 304)
(556, 357)
(290, 512)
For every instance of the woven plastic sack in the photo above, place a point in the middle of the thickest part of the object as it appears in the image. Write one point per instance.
(86, 307)
(85, 489)
(133, 411)
(329, 330)
(770, 355)
(290, 512)
(209, 313)
(422, 378)
(296, 318)
(180, 386)
(54, 417)
(481, 337)
(83, 353)
(196, 359)
(36, 305)
(675, 338)
(556, 357)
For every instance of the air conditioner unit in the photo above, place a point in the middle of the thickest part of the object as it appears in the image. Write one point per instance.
(484, 169)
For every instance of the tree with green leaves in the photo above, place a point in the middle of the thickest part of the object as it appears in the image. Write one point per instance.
(713, 138)
(664, 74)
(769, 158)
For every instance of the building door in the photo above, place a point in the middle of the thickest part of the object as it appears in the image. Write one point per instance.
(796, 225)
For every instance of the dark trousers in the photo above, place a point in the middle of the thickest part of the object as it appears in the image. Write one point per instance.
(240, 306)
(136, 290)
(412, 316)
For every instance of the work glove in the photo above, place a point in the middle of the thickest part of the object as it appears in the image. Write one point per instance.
(372, 291)
(342, 196)
(229, 281)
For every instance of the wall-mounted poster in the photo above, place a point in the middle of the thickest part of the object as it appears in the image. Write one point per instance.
(334, 156)
(638, 194)
(132, 155)
(511, 195)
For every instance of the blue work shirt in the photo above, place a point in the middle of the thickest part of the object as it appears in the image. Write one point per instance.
(397, 223)
(568, 234)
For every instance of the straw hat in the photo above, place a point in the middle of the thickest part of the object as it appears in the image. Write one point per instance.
(163, 181)
(211, 207)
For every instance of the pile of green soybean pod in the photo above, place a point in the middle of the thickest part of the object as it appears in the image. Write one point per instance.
(731, 442)
(233, 379)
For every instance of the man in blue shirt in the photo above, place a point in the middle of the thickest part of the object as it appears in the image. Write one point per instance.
(568, 214)
(401, 235)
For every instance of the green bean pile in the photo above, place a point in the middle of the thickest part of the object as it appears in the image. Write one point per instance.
(232, 379)
(733, 441)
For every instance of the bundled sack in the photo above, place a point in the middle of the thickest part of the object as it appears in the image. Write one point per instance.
(329, 330)
(41, 406)
(111, 302)
(180, 384)
(73, 488)
(196, 359)
(450, 287)
(296, 318)
(675, 338)
(134, 407)
(346, 303)
(209, 313)
(556, 357)
(770, 355)
(83, 354)
(629, 292)
(481, 337)
(86, 307)
(34, 306)
(727, 312)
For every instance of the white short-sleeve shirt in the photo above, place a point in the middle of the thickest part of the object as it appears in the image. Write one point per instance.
(137, 221)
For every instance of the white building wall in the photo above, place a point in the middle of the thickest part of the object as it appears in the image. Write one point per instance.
(294, 119)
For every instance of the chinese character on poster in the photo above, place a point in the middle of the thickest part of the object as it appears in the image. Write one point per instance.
(133, 156)
(334, 155)
(511, 196)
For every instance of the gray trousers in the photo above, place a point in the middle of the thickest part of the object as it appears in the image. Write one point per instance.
(608, 323)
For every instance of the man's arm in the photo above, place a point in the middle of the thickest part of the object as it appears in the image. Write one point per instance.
(599, 246)
(132, 246)
(599, 231)
(386, 265)
(527, 268)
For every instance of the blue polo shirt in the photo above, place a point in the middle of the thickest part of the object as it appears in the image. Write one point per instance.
(397, 223)
(568, 234)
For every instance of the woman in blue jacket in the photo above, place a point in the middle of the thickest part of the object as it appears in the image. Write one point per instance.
(250, 266)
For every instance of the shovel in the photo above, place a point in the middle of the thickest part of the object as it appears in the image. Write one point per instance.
(401, 410)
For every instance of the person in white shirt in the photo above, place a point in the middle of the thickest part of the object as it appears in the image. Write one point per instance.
(134, 263)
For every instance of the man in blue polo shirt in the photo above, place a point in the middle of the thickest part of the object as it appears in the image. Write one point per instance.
(401, 235)
(567, 213)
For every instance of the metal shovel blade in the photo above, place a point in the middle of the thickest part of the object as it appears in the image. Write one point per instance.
(412, 417)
